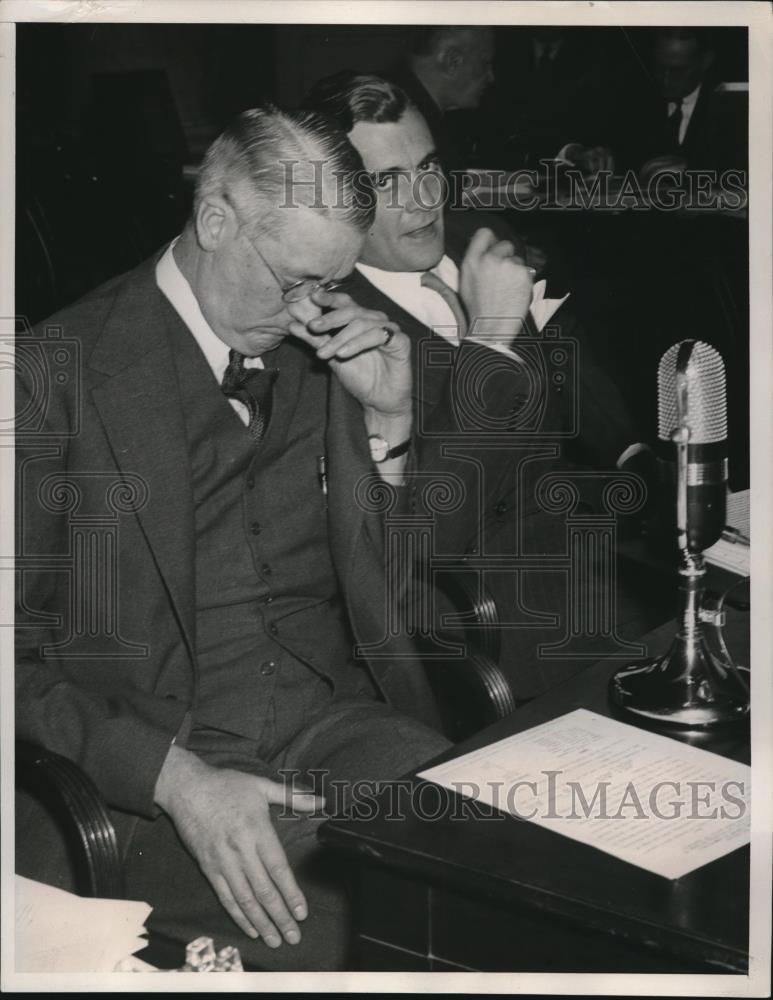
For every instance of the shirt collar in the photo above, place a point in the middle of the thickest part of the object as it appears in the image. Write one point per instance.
(175, 287)
(688, 102)
(402, 286)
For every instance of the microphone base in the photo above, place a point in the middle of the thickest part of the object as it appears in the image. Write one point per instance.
(686, 688)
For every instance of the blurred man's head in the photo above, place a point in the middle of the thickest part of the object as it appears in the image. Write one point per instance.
(454, 64)
(682, 57)
(398, 152)
(276, 209)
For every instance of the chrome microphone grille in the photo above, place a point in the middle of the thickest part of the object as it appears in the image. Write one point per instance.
(706, 402)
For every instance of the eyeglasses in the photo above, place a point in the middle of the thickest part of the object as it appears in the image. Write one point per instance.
(298, 290)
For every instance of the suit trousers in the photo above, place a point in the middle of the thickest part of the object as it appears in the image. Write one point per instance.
(352, 740)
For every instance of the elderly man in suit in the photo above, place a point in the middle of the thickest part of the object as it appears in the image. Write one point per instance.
(446, 72)
(227, 403)
(459, 279)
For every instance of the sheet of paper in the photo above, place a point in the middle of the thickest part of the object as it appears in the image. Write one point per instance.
(644, 798)
(57, 931)
(733, 556)
(737, 514)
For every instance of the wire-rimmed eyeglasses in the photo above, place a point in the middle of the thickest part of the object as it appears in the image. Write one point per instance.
(296, 291)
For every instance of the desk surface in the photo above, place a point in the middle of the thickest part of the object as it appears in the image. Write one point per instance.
(701, 917)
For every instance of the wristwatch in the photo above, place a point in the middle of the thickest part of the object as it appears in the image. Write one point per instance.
(380, 450)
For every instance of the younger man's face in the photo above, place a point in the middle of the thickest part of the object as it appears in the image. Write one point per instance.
(407, 233)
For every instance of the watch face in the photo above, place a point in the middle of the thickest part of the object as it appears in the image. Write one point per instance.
(379, 448)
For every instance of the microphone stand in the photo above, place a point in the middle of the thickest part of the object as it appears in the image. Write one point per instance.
(690, 686)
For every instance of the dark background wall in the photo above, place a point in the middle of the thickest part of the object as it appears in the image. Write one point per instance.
(216, 70)
(212, 71)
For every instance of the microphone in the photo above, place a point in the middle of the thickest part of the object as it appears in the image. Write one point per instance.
(691, 686)
(692, 417)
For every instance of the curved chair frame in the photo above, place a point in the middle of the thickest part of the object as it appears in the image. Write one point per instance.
(82, 812)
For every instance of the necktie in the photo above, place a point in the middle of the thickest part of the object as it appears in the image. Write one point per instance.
(430, 280)
(674, 124)
(254, 388)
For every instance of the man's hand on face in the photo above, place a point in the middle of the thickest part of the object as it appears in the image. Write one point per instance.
(374, 368)
(496, 288)
(222, 817)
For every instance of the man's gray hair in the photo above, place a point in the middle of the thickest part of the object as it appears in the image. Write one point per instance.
(268, 159)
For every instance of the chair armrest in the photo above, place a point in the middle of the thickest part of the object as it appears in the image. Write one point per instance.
(82, 812)
(470, 689)
(476, 604)
(471, 692)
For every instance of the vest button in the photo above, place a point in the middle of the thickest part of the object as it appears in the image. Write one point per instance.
(265, 569)
(273, 628)
(250, 482)
(267, 668)
(255, 528)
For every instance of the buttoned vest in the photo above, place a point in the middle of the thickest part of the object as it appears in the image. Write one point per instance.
(273, 645)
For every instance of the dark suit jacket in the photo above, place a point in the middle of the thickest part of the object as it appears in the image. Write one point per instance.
(113, 446)
(502, 513)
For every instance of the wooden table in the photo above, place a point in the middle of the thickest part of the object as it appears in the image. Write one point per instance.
(508, 895)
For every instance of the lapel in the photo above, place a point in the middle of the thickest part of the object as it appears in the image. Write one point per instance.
(348, 460)
(428, 383)
(697, 126)
(141, 412)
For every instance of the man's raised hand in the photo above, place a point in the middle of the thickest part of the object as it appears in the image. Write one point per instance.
(373, 366)
(495, 286)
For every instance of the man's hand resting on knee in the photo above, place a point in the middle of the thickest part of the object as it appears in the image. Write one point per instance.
(222, 817)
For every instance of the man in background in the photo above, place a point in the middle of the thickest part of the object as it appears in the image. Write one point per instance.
(678, 123)
(547, 105)
(447, 70)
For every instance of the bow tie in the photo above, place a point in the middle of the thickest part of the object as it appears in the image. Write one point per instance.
(254, 388)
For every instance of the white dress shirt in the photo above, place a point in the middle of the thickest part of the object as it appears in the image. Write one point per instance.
(425, 304)
(175, 287)
(430, 308)
(688, 106)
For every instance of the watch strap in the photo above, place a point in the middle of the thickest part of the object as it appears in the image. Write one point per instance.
(396, 452)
